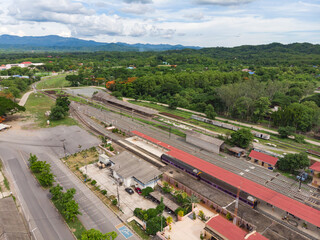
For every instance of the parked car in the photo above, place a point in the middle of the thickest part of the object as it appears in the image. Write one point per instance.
(138, 190)
(129, 190)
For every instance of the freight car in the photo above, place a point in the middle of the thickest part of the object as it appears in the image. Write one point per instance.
(229, 126)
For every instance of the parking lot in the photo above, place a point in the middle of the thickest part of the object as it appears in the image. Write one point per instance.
(127, 202)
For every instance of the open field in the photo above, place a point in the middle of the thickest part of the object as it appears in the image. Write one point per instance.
(163, 109)
(53, 82)
(38, 104)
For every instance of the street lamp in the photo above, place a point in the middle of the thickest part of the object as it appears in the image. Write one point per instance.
(302, 177)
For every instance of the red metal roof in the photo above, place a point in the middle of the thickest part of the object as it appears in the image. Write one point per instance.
(26, 62)
(283, 202)
(263, 157)
(256, 236)
(226, 228)
(315, 166)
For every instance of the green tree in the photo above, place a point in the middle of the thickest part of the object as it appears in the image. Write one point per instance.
(284, 132)
(37, 166)
(242, 138)
(56, 192)
(46, 177)
(146, 191)
(261, 107)
(32, 159)
(173, 104)
(210, 112)
(7, 106)
(57, 113)
(63, 102)
(155, 225)
(94, 234)
(71, 210)
(73, 79)
(190, 202)
(292, 162)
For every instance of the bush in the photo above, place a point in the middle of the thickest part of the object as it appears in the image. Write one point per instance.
(202, 216)
(93, 182)
(299, 139)
(284, 132)
(155, 225)
(104, 192)
(115, 202)
(146, 191)
(229, 217)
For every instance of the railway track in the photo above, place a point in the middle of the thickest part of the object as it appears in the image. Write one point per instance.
(270, 180)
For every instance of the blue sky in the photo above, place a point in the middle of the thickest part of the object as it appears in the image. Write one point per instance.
(206, 23)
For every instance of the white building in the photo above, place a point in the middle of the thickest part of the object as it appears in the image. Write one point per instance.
(133, 171)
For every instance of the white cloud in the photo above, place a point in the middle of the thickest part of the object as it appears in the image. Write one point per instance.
(138, 1)
(188, 22)
(223, 2)
(138, 9)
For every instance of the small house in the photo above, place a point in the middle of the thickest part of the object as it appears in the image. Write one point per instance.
(263, 159)
(316, 174)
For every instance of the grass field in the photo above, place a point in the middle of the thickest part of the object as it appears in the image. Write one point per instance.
(53, 82)
(38, 104)
(136, 227)
(163, 109)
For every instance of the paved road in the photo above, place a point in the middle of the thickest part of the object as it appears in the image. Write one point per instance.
(44, 220)
(14, 150)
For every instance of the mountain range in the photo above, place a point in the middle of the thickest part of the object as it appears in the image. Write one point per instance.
(57, 43)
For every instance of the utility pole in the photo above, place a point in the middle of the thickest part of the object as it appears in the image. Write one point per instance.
(236, 207)
(118, 194)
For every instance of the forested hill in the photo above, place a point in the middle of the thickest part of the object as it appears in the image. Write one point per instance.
(63, 44)
(269, 54)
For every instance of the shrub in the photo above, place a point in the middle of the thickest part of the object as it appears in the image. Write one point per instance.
(146, 191)
(299, 139)
(181, 213)
(194, 216)
(115, 202)
(201, 215)
(104, 192)
(229, 217)
(111, 148)
(93, 182)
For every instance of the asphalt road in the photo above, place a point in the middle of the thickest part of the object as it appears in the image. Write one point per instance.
(43, 219)
(47, 144)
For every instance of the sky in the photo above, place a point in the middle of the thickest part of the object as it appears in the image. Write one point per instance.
(205, 23)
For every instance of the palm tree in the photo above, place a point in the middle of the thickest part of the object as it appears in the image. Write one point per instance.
(190, 201)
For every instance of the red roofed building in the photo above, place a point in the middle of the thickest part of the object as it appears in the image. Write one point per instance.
(263, 159)
(316, 174)
(286, 204)
(220, 228)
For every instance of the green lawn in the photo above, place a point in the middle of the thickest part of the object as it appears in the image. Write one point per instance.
(76, 226)
(164, 109)
(38, 104)
(136, 227)
(53, 82)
